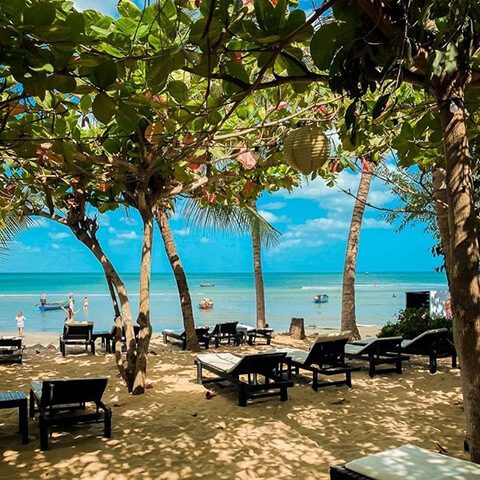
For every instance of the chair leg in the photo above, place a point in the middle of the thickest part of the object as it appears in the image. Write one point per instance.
(348, 379)
(43, 433)
(93, 347)
(242, 396)
(433, 363)
(399, 365)
(32, 405)
(107, 429)
(315, 381)
(371, 367)
(23, 421)
(454, 360)
(199, 373)
(283, 394)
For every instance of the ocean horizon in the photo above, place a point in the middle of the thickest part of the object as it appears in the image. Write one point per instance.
(379, 296)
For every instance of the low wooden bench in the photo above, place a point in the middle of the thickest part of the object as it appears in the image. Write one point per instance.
(11, 349)
(17, 400)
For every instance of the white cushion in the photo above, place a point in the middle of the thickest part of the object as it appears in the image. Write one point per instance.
(332, 337)
(222, 361)
(414, 463)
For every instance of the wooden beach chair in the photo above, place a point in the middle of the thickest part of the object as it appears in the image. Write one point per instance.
(226, 332)
(63, 402)
(110, 341)
(378, 351)
(326, 357)
(406, 462)
(11, 349)
(244, 371)
(433, 344)
(181, 337)
(77, 334)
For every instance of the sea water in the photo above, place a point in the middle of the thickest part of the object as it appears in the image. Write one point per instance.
(379, 296)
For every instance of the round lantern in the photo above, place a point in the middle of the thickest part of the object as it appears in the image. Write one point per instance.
(307, 149)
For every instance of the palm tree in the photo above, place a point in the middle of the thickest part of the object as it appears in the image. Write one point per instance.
(349, 321)
(180, 278)
(11, 224)
(240, 220)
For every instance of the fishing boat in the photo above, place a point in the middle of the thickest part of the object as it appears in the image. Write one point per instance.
(322, 298)
(46, 307)
(205, 304)
(207, 285)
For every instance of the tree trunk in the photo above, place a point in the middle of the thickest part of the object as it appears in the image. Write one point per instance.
(439, 181)
(140, 375)
(181, 279)
(297, 328)
(257, 268)
(349, 320)
(92, 243)
(463, 252)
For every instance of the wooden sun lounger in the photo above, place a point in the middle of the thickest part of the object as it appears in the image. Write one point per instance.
(61, 402)
(406, 462)
(11, 349)
(77, 334)
(233, 368)
(110, 337)
(378, 351)
(252, 334)
(326, 357)
(180, 337)
(226, 332)
(434, 344)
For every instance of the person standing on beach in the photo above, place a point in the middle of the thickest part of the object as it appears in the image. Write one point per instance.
(43, 298)
(85, 303)
(69, 311)
(71, 301)
(20, 319)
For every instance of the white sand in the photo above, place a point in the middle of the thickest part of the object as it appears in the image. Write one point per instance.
(174, 432)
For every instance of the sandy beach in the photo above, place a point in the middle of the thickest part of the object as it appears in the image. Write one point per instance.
(174, 432)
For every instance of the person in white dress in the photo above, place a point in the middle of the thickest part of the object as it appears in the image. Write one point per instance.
(20, 319)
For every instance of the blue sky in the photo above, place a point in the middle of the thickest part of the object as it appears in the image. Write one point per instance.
(314, 221)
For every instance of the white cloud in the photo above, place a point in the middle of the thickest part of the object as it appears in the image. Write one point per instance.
(204, 240)
(128, 221)
(59, 235)
(122, 237)
(375, 223)
(105, 6)
(112, 230)
(272, 218)
(103, 220)
(17, 246)
(333, 198)
(182, 232)
(274, 206)
(55, 246)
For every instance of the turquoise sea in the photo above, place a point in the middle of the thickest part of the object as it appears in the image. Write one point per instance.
(378, 296)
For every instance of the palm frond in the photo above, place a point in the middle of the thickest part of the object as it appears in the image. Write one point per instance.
(232, 219)
(11, 224)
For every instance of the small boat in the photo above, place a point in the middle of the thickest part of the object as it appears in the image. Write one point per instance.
(45, 307)
(207, 285)
(205, 304)
(322, 298)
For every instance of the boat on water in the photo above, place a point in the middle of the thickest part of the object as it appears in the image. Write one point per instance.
(322, 298)
(207, 285)
(45, 307)
(205, 304)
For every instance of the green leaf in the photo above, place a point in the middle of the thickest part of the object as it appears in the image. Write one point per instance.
(323, 45)
(156, 75)
(380, 106)
(178, 90)
(128, 9)
(76, 23)
(127, 118)
(103, 108)
(104, 74)
(39, 14)
(62, 83)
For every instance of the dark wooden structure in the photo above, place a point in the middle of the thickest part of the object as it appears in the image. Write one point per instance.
(244, 371)
(77, 334)
(326, 357)
(378, 351)
(11, 349)
(181, 337)
(225, 332)
(63, 402)
(17, 400)
(256, 334)
(434, 344)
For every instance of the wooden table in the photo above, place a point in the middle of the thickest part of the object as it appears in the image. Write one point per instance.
(17, 400)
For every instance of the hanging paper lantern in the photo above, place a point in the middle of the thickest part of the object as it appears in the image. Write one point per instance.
(306, 149)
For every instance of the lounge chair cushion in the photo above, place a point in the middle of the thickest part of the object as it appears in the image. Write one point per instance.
(223, 361)
(407, 343)
(365, 345)
(333, 337)
(413, 463)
